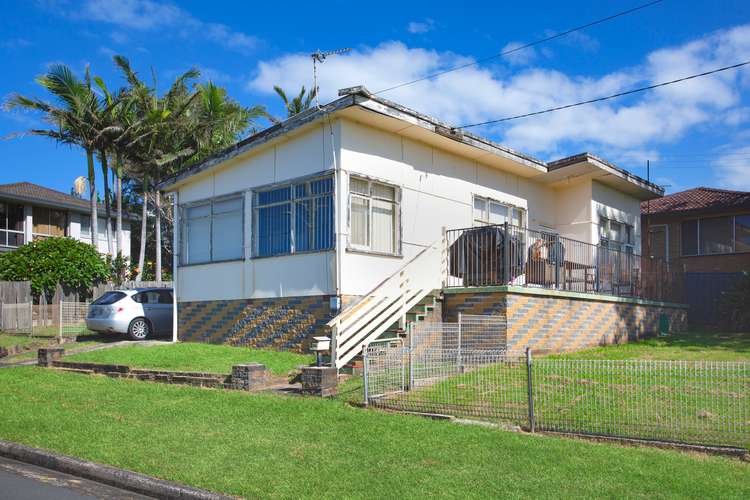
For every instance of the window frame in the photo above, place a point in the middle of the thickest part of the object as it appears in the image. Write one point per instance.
(699, 249)
(626, 230)
(5, 232)
(292, 202)
(487, 211)
(210, 201)
(369, 197)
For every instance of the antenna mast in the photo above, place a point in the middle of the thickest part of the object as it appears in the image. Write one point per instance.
(320, 57)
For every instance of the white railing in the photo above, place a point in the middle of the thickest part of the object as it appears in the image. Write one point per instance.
(387, 303)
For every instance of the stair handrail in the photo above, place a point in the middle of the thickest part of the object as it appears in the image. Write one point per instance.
(387, 303)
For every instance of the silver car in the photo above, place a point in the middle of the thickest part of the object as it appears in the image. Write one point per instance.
(140, 313)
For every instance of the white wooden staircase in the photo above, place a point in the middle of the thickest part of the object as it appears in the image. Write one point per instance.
(387, 306)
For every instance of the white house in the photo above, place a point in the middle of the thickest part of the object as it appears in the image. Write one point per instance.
(30, 212)
(284, 230)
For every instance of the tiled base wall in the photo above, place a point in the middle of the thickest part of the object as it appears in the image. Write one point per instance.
(556, 324)
(287, 323)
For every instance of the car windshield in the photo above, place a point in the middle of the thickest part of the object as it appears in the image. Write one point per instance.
(108, 299)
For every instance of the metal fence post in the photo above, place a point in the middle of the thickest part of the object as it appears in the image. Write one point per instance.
(458, 352)
(506, 253)
(411, 355)
(365, 375)
(60, 321)
(530, 385)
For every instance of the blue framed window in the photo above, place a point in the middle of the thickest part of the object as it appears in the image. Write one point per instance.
(296, 217)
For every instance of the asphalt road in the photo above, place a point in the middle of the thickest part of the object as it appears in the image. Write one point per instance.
(19, 481)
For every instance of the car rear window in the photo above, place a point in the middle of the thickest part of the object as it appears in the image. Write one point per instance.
(108, 298)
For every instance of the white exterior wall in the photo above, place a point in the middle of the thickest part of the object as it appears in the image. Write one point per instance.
(618, 206)
(573, 211)
(300, 155)
(437, 191)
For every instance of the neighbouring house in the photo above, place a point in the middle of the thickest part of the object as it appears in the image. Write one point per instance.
(30, 212)
(703, 233)
(363, 217)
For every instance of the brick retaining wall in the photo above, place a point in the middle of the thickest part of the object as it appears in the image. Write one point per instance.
(558, 321)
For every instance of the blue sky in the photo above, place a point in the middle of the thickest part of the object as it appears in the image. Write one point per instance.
(694, 134)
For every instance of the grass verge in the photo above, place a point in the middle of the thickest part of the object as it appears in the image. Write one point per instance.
(290, 447)
(191, 356)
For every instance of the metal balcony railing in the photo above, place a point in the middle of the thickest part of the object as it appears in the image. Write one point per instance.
(504, 254)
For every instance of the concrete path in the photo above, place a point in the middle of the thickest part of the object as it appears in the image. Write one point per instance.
(27, 482)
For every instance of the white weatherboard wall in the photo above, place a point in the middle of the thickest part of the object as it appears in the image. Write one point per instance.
(436, 190)
(615, 205)
(304, 153)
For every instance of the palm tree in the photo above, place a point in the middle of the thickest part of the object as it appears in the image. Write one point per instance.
(298, 104)
(74, 119)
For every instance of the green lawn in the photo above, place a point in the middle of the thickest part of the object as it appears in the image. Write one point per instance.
(10, 339)
(700, 345)
(707, 404)
(289, 447)
(191, 356)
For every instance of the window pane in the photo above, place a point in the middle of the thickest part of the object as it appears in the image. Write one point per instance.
(40, 216)
(480, 209)
(742, 233)
(15, 217)
(275, 195)
(224, 206)
(3, 216)
(360, 228)
(226, 236)
(197, 238)
(603, 227)
(615, 231)
(86, 226)
(358, 186)
(14, 239)
(57, 223)
(498, 213)
(689, 235)
(323, 223)
(716, 235)
(383, 226)
(383, 191)
(198, 211)
(303, 226)
(274, 226)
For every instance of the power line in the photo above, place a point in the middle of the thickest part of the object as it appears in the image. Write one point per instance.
(599, 99)
(522, 47)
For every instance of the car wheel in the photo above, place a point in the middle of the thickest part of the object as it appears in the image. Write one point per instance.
(139, 329)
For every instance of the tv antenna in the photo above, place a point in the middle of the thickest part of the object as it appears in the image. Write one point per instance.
(320, 57)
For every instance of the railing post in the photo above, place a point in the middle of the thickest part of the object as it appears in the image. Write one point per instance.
(530, 390)
(334, 346)
(506, 253)
(365, 375)
(444, 256)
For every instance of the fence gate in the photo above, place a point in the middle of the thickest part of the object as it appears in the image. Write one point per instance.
(17, 317)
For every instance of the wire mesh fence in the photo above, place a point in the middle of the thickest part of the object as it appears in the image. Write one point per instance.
(696, 402)
(72, 320)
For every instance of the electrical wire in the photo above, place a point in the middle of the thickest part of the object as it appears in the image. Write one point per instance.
(613, 96)
(522, 47)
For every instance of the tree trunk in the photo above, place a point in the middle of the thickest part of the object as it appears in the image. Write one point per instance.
(157, 232)
(92, 198)
(107, 203)
(144, 217)
(118, 196)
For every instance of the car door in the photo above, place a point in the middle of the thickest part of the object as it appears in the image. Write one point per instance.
(151, 309)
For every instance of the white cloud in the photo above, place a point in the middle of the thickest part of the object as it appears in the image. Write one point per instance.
(419, 27)
(517, 55)
(732, 169)
(480, 93)
(149, 15)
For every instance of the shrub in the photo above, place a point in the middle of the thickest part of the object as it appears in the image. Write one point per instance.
(75, 265)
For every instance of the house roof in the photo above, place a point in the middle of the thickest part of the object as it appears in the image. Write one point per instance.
(360, 103)
(699, 199)
(40, 195)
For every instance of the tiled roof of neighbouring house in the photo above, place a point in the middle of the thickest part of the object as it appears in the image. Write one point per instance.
(700, 198)
(34, 193)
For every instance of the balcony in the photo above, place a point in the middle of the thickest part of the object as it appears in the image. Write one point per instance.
(510, 255)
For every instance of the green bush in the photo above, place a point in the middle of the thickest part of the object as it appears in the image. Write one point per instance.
(735, 306)
(77, 266)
